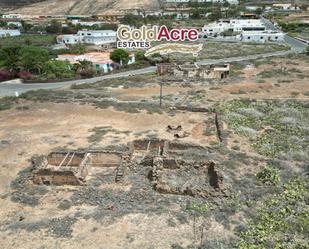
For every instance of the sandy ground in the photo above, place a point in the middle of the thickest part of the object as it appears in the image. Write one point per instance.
(46, 126)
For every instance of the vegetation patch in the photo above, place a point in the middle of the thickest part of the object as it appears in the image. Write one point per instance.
(282, 220)
(276, 129)
(268, 175)
(100, 132)
(34, 40)
(7, 103)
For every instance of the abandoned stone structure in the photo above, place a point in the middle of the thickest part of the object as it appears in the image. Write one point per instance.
(202, 72)
(169, 171)
(194, 70)
(173, 174)
(72, 168)
(165, 68)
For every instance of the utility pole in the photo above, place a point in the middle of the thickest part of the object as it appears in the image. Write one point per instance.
(161, 84)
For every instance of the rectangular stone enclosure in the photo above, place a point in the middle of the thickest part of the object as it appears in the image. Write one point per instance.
(72, 168)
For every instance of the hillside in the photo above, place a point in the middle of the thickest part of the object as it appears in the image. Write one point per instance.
(85, 7)
(14, 3)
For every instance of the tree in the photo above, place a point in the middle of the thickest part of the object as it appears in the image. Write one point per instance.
(58, 69)
(9, 57)
(215, 14)
(83, 65)
(26, 26)
(226, 4)
(258, 11)
(55, 27)
(3, 24)
(78, 48)
(140, 55)
(120, 55)
(33, 58)
(69, 30)
(132, 20)
(196, 14)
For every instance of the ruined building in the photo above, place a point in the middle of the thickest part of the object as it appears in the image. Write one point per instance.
(173, 167)
(194, 70)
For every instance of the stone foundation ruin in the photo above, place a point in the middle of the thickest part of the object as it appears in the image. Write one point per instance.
(170, 169)
(72, 168)
(172, 174)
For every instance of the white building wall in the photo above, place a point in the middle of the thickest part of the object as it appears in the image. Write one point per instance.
(11, 16)
(262, 37)
(236, 25)
(97, 37)
(71, 39)
(9, 32)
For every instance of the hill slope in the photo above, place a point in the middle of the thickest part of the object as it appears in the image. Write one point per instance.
(55, 7)
(14, 3)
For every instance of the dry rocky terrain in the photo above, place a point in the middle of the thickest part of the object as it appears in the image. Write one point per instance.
(242, 123)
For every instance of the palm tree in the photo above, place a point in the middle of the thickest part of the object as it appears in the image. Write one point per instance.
(83, 65)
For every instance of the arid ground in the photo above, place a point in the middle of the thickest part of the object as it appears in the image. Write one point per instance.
(263, 106)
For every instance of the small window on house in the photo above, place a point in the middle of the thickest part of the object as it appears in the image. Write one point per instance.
(249, 37)
(276, 37)
(261, 37)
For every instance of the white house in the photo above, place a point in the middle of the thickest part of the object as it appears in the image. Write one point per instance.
(235, 25)
(262, 36)
(11, 16)
(285, 6)
(180, 16)
(9, 32)
(252, 8)
(89, 24)
(96, 37)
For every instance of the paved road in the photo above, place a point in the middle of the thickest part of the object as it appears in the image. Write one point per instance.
(295, 44)
(9, 89)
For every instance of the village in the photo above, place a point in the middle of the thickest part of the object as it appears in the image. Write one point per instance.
(95, 44)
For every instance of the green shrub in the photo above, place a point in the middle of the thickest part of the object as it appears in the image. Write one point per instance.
(6, 103)
(58, 69)
(281, 221)
(269, 175)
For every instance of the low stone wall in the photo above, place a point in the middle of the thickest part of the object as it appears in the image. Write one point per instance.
(49, 176)
(56, 158)
(186, 178)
